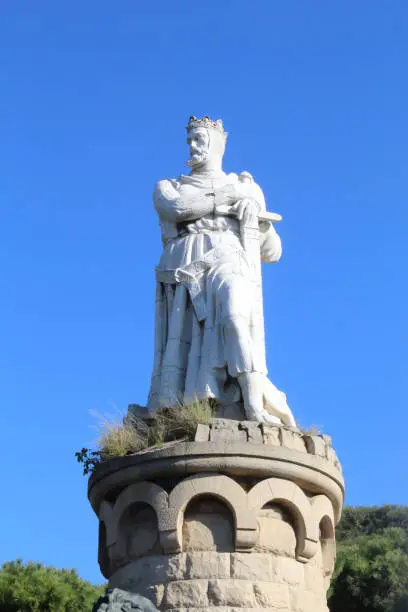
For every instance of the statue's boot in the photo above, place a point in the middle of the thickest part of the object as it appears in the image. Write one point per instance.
(275, 402)
(252, 387)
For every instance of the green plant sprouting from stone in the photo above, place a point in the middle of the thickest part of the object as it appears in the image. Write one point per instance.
(120, 437)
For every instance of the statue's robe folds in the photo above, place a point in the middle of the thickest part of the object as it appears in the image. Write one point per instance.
(208, 320)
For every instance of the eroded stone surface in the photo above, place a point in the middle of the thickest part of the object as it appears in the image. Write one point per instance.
(208, 564)
(272, 595)
(276, 531)
(140, 530)
(231, 593)
(290, 571)
(208, 526)
(254, 566)
(188, 593)
(201, 580)
(233, 542)
(238, 430)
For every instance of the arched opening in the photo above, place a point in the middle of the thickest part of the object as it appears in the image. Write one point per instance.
(327, 547)
(277, 530)
(138, 531)
(208, 525)
(103, 555)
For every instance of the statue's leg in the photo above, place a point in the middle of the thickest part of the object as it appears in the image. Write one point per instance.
(252, 386)
(252, 393)
(233, 292)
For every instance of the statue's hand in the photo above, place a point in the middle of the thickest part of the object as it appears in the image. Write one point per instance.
(232, 196)
(232, 193)
(246, 207)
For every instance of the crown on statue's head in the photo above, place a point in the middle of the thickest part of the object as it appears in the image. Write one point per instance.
(206, 122)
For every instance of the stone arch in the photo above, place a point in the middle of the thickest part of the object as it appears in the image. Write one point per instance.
(290, 495)
(105, 538)
(323, 515)
(322, 510)
(138, 532)
(227, 491)
(105, 516)
(208, 525)
(103, 553)
(142, 492)
(277, 530)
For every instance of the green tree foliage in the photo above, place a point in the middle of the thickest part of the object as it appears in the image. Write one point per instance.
(371, 573)
(36, 588)
(368, 520)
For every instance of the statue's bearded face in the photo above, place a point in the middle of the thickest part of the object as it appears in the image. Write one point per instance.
(198, 141)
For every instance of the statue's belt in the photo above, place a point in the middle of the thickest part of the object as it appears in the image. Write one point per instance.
(191, 276)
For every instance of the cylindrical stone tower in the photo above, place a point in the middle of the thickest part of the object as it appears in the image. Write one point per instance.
(243, 517)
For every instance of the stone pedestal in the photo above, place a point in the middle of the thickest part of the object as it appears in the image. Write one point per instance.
(243, 517)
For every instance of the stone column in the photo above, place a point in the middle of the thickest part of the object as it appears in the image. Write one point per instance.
(243, 517)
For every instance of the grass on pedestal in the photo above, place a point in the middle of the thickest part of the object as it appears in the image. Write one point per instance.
(118, 437)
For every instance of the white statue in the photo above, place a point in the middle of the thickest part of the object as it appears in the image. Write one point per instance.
(209, 327)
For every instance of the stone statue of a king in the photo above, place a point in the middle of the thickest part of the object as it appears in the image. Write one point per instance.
(209, 327)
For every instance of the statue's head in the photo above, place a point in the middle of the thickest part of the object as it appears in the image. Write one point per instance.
(206, 139)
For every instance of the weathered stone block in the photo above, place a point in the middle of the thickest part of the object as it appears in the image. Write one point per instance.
(208, 565)
(139, 534)
(253, 566)
(163, 568)
(314, 580)
(186, 594)
(208, 526)
(173, 567)
(149, 571)
(290, 571)
(315, 445)
(202, 433)
(271, 435)
(231, 593)
(226, 429)
(253, 431)
(317, 560)
(153, 592)
(327, 439)
(306, 601)
(272, 595)
(275, 535)
(293, 440)
(332, 457)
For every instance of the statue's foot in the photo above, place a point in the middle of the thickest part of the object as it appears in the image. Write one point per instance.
(251, 384)
(269, 419)
(262, 416)
(275, 403)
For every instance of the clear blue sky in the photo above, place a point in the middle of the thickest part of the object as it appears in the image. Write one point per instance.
(94, 99)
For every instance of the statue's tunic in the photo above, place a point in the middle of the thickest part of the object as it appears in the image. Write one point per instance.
(208, 320)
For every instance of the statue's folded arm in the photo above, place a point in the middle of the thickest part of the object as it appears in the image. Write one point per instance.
(173, 207)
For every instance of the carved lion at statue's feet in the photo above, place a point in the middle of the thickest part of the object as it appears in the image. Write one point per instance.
(116, 600)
